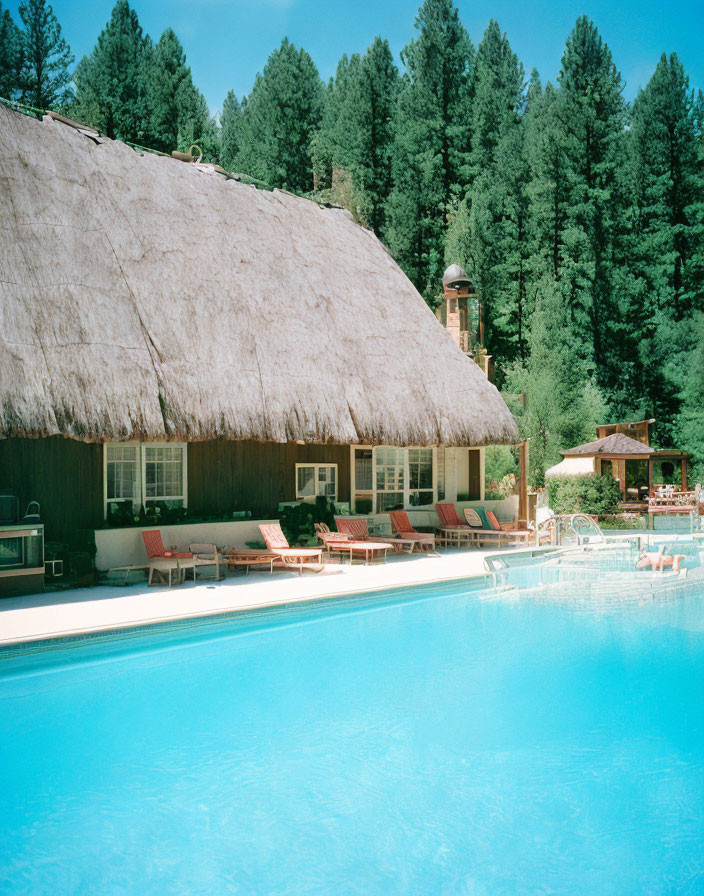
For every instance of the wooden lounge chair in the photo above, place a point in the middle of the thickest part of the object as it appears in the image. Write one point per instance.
(164, 560)
(296, 558)
(205, 555)
(357, 529)
(247, 558)
(487, 528)
(452, 529)
(341, 543)
(401, 525)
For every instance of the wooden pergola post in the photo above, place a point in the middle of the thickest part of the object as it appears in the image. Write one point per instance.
(523, 486)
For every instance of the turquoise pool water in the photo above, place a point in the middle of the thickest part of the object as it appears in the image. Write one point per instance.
(432, 741)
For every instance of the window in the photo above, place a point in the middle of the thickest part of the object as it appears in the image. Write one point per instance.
(387, 478)
(121, 472)
(420, 476)
(122, 490)
(363, 479)
(163, 473)
(137, 475)
(390, 475)
(316, 480)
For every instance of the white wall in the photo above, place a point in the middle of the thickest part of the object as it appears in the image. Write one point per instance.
(125, 547)
(457, 472)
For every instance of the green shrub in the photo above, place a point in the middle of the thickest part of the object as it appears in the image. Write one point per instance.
(584, 494)
(298, 520)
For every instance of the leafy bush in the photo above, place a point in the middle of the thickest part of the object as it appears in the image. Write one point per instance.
(298, 520)
(501, 470)
(584, 494)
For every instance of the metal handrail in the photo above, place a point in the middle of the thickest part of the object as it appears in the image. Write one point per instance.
(564, 523)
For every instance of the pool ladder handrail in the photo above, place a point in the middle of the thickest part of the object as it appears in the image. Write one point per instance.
(554, 525)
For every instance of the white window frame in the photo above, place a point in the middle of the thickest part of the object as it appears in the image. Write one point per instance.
(310, 499)
(184, 464)
(406, 478)
(140, 498)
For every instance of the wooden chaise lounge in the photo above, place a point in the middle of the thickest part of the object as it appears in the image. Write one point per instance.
(452, 530)
(495, 532)
(341, 543)
(357, 528)
(401, 525)
(295, 558)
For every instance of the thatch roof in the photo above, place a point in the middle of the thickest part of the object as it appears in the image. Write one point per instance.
(617, 444)
(143, 297)
(571, 467)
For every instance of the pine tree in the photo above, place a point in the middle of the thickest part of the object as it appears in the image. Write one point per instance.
(353, 145)
(497, 204)
(431, 143)
(667, 184)
(11, 56)
(498, 96)
(280, 118)
(382, 85)
(178, 113)
(111, 83)
(231, 123)
(47, 57)
(591, 112)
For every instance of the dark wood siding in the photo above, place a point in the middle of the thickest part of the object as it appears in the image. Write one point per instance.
(65, 476)
(224, 475)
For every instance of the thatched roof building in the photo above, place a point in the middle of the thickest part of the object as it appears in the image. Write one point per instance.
(616, 445)
(145, 298)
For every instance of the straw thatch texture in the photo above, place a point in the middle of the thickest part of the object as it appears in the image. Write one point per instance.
(142, 297)
(617, 443)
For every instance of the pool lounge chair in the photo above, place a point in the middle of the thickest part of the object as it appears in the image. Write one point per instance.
(357, 528)
(401, 525)
(342, 544)
(488, 530)
(163, 560)
(452, 530)
(296, 558)
(206, 555)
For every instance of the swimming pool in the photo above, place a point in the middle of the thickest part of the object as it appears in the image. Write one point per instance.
(433, 740)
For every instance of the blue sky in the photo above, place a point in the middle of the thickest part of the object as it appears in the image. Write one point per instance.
(228, 41)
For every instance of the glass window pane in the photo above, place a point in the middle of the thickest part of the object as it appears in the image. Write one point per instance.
(121, 472)
(305, 487)
(163, 471)
(386, 501)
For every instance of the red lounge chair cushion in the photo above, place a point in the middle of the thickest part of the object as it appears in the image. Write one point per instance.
(495, 524)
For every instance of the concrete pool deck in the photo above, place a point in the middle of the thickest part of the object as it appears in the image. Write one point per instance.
(61, 614)
(58, 614)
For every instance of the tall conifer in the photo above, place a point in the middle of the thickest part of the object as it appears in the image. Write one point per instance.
(282, 114)
(47, 58)
(11, 56)
(111, 82)
(431, 145)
